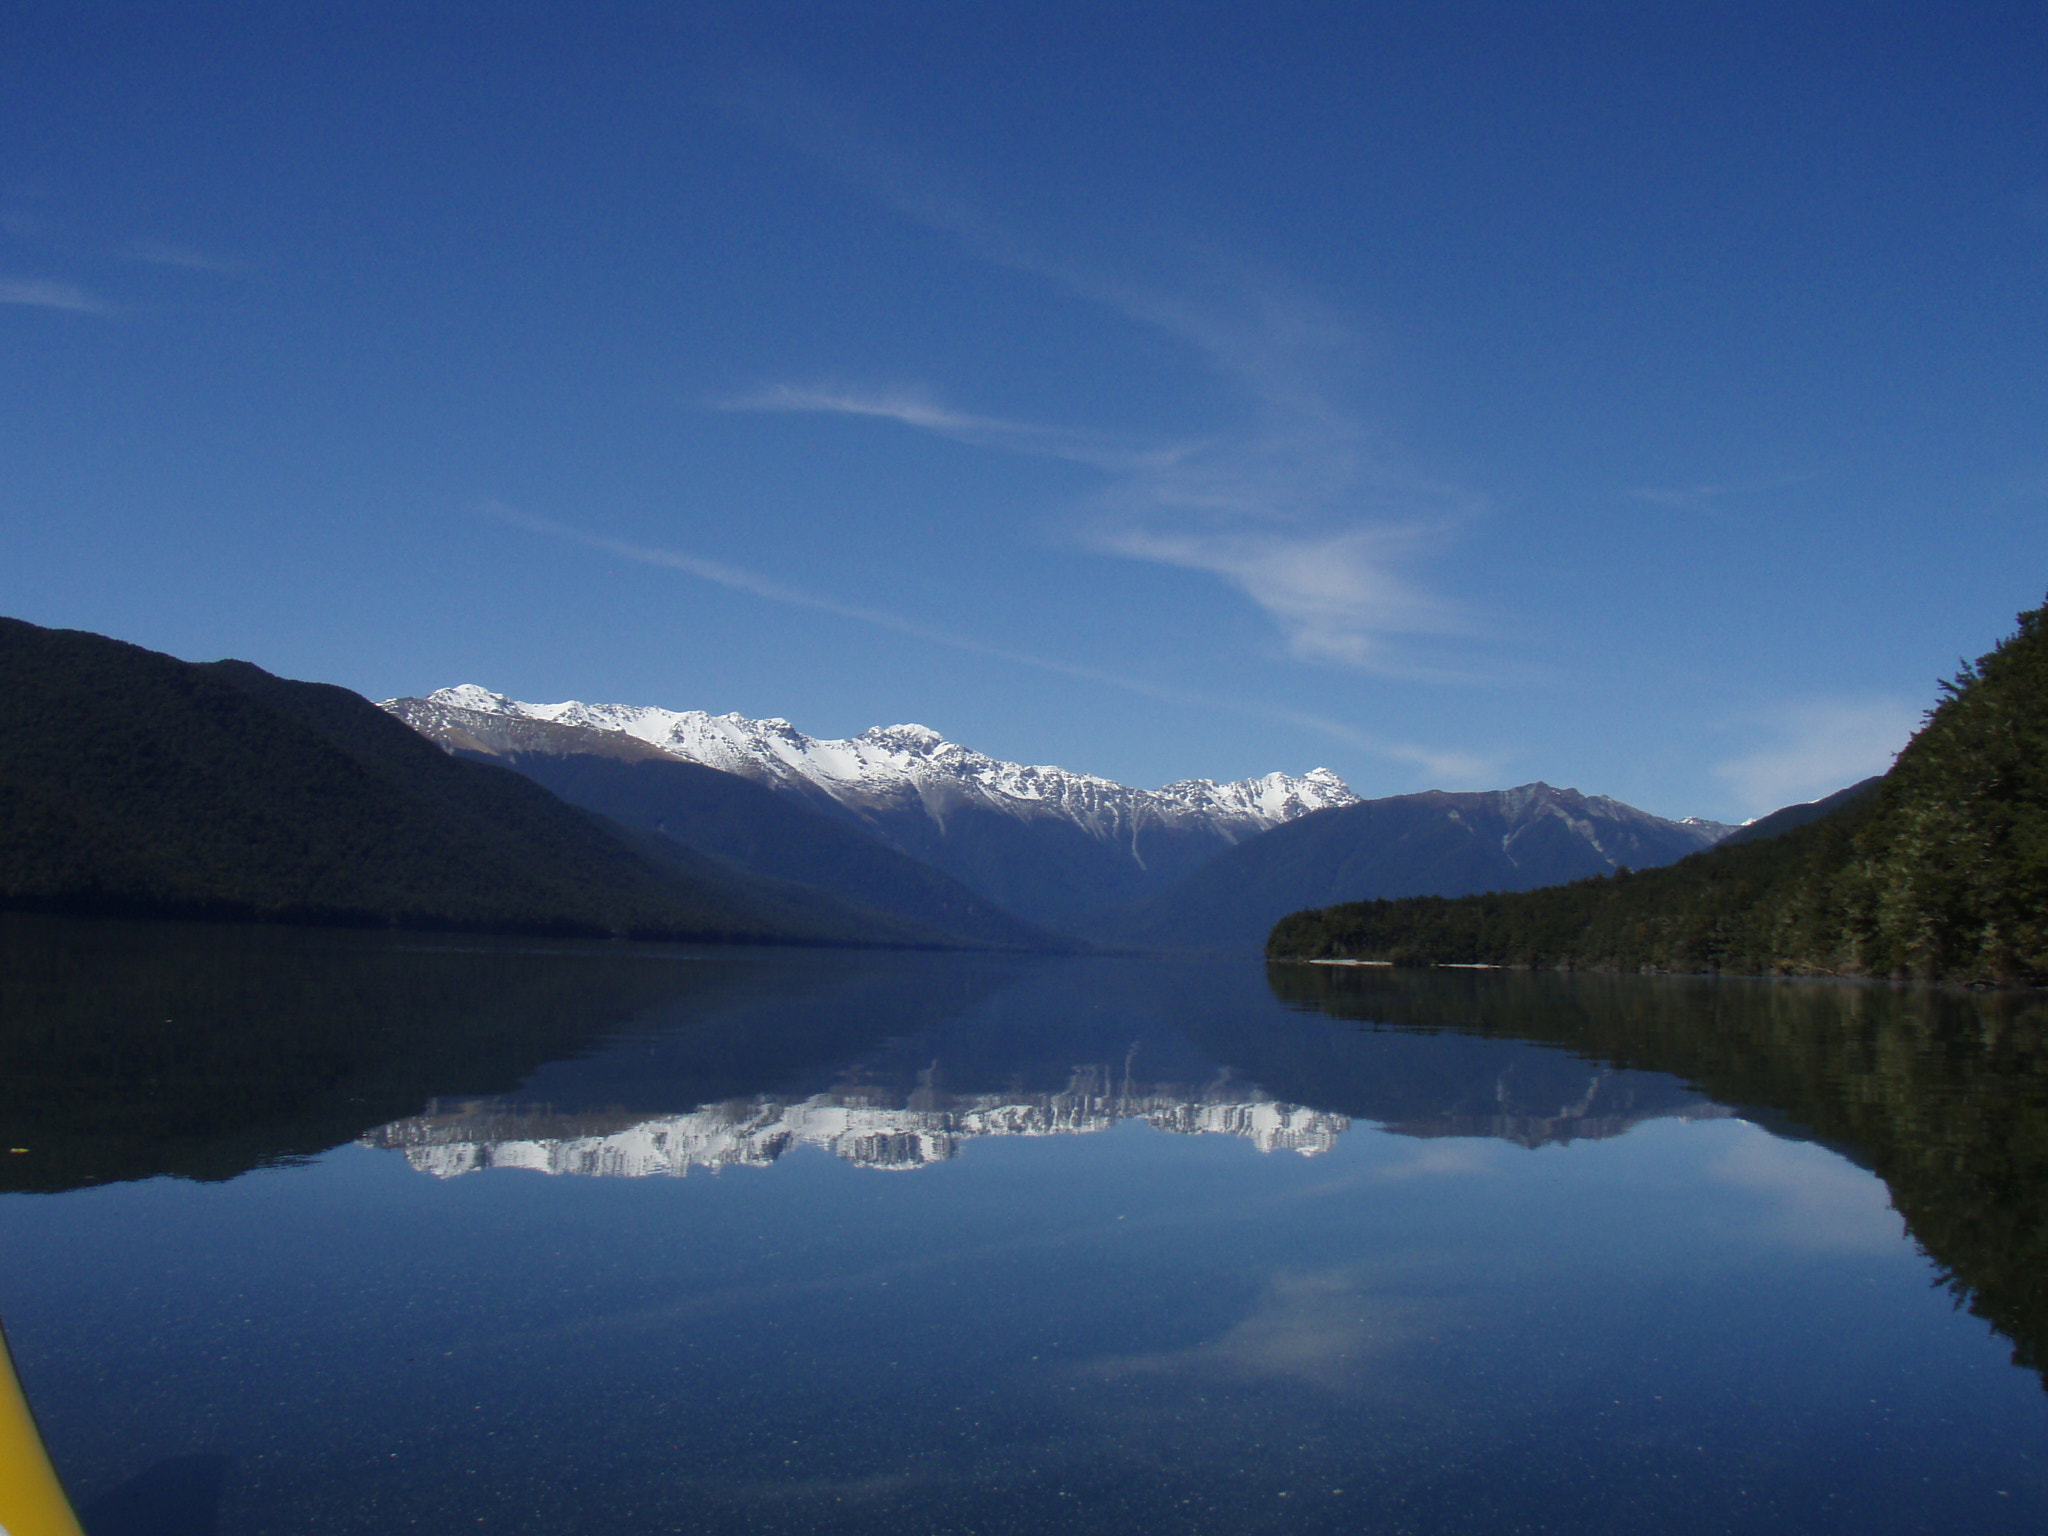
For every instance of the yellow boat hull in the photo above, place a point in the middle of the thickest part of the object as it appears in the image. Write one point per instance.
(32, 1501)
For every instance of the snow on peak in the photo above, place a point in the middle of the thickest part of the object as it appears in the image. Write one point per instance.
(921, 734)
(909, 742)
(472, 696)
(910, 762)
(1269, 800)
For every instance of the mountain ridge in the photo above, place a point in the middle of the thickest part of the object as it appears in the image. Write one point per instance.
(1438, 842)
(879, 761)
(764, 833)
(1193, 865)
(1055, 848)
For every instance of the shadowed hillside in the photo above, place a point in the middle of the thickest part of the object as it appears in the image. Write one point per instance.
(1940, 871)
(1437, 843)
(776, 836)
(132, 783)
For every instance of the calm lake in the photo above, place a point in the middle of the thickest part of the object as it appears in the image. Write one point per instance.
(309, 1233)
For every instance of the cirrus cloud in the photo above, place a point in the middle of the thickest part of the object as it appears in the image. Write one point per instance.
(1818, 746)
(1299, 503)
(40, 293)
(1457, 769)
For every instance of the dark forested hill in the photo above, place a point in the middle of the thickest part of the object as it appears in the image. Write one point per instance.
(135, 783)
(1940, 871)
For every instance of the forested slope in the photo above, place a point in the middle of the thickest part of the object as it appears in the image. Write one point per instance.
(134, 783)
(1940, 872)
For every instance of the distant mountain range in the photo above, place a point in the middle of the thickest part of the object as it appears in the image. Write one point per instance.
(134, 783)
(1195, 865)
(1054, 847)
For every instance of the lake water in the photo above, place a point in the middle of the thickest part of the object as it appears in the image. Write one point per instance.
(316, 1233)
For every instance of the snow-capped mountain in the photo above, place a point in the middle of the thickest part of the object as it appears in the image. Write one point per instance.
(1051, 845)
(892, 766)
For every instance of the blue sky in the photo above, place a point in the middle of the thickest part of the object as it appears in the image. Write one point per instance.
(1649, 399)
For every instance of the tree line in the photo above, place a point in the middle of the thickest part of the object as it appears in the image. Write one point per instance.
(1940, 873)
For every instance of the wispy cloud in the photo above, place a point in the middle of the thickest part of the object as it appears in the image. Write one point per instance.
(1709, 497)
(737, 579)
(733, 577)
(1452, 770)
(1301, 519)
(41, 294)
(1818, 746)
(1301, 504)
(1455, 769)
(162, 253)
(1333, 592)
(919, 410)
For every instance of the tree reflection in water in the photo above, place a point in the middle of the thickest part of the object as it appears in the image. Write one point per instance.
(1942, 1093)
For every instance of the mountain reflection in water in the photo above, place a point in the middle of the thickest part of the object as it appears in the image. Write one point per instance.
(874, 1127)
(131, 1050)
(862, 1127)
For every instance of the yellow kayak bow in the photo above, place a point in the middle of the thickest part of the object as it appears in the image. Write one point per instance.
(32, 1501)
